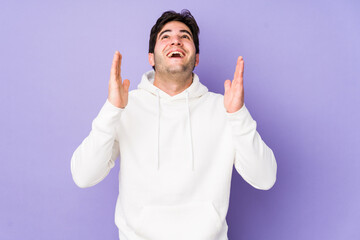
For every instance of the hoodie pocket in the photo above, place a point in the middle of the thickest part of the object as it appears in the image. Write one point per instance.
(193, 221)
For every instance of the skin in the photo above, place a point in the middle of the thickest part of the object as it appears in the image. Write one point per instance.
(118, 89)
(174, 75)
(234, 90)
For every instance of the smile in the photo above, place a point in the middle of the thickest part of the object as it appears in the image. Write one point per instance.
(176, 54)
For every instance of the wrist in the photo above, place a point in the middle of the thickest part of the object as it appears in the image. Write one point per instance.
(115, 103)
(234, 109)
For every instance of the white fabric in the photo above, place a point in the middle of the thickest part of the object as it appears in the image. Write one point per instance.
(176, 159)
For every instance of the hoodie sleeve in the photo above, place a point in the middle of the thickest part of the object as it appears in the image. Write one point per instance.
(254, 160)
(96, 155)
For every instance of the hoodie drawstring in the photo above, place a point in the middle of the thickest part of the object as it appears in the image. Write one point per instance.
(157, 151)
(190, 132)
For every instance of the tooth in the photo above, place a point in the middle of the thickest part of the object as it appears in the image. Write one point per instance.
(176, 52)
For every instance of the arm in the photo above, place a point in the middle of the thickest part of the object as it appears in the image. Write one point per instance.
(96, 155)
(254, 160)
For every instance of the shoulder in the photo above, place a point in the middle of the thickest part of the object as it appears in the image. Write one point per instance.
(215, 95)
(214, 102)
(215, 98)
(140, 99)
(135, 92)
(138, 94)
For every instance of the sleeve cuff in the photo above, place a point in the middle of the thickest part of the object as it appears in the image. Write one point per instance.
(110, 106)
(108, 117)
(239, 114)
(241, 120)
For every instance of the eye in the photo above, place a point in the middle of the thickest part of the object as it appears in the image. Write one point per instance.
(164, 36)
(185, 36)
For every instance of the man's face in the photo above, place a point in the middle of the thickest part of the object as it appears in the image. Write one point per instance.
(174, 50)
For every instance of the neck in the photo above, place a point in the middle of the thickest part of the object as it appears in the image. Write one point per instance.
(173, 84)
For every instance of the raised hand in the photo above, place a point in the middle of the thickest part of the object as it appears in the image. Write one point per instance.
(234, 91)
(118, 90)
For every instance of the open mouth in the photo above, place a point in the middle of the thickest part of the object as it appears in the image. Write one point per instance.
(176, 54)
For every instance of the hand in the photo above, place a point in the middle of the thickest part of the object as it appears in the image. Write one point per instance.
(118, 90)
(234, 91)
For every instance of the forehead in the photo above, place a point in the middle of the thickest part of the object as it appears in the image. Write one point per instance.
(174, 26)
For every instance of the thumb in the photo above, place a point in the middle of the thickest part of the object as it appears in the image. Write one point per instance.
(126, 84)
(227, 85)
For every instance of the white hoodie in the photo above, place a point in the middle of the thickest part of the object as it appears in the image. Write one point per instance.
(176, 159)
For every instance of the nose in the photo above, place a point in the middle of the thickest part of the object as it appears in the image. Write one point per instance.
(176, 40)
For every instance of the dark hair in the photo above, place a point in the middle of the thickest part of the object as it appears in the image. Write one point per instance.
(168, 16)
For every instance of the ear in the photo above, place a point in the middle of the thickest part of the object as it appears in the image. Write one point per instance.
(197, 59)
(151, 59)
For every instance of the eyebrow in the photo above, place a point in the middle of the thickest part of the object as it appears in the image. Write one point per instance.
(168, 30)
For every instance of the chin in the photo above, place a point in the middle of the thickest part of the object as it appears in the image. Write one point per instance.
(176, 70)
(180, 69)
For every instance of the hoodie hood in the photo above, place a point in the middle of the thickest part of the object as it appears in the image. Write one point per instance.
(194, 91)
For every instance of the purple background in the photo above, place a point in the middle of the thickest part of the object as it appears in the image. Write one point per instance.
(302, 70)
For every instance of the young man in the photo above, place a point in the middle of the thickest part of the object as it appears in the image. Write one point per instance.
(177, 142)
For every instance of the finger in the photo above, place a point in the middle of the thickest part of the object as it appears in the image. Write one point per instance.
(115, 67)
(227, 86)
(114, 62)
(239, 70)
(126, 85)
(119, 66)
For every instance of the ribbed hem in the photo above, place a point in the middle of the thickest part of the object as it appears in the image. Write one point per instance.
(241, 113)
(241, 120)
(108, 118)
